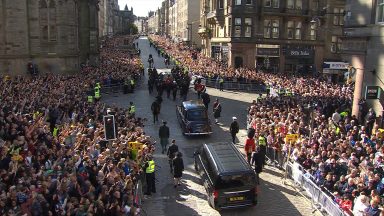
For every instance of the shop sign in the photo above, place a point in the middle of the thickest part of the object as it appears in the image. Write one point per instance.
(302, 53)
(372, 92)
(268, 51)
(225, 48)
(336, 65)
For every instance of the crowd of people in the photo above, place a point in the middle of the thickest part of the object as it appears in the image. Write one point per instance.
(54, 159)
(342, 153)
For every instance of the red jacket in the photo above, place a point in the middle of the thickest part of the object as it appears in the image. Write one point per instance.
(250, 145)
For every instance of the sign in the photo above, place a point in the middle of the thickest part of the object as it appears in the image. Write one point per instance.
(336, 65)
(291, 138)
(300, 53)
(372, 92)
(268, 52)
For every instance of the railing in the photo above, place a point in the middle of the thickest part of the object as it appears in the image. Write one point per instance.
(238, 86)
(319, 198)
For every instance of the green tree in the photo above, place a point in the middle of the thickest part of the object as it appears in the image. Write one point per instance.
(133, 29)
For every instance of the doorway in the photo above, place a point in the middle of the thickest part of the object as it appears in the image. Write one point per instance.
(238, 62)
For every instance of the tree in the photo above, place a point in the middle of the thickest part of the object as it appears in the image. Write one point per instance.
(133, 29)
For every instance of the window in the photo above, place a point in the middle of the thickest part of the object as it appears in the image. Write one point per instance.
(290, 29)
(221, 4)
(271, 3)
(248, 2)
(248, 27)
(298, 31)
(237, 2)
(271, 28)
(237, 27)
(295, 4)
(47, 20)
(338, 16)
(294, 30)
(380, 11)
(336, 44)
(313, 32)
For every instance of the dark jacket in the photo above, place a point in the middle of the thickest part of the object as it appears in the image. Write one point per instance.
(257, 160)
(234, 128)
(164, 132)
(172, 150)
(216, 110)
(155, 108)
(178, 167)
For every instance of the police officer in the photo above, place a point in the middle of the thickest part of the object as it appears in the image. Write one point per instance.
(262, 141)
(132, 109)
(150, 175)
(221, 83)
(97, 92)
(132, 85)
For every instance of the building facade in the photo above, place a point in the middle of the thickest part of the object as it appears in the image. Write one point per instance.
(57, 36)
(363, 47)
(273, 35)
(188, 21)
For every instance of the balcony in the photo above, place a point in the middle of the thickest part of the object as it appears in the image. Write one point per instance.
(204, 32)
(215, 16)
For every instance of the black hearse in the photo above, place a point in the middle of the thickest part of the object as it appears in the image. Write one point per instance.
(193, 118)
(228, 179)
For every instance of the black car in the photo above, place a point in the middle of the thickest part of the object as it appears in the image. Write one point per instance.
(228, 179)
(193, 118)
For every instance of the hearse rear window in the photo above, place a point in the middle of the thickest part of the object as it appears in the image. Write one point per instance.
(225, 182)
(194, 115)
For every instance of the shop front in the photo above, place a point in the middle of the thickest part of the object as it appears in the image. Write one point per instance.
(299, 60)
(267, 58)
(219, 51)
(335, 72)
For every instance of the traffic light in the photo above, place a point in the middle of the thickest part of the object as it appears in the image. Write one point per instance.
(109, 127)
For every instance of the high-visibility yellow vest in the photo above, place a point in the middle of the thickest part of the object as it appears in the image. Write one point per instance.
(151, 167)
(132, 109)
(35, 114)
(132, 82)
(337, 131)
(90, 99)
(55, 131)
(344, 114)
(221, 80)
(98, 85)
(262, 141)
(97, 92)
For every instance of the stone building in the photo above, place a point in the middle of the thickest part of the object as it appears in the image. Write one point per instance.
(363, 48)
(56, 35)
(275, 35)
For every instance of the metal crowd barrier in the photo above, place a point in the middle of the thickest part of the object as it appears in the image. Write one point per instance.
(319, 198)
(275, 157)
(238, 86)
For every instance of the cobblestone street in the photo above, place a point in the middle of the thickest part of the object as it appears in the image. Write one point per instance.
(274, 198)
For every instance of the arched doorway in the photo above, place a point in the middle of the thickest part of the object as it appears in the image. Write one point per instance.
(238, 62)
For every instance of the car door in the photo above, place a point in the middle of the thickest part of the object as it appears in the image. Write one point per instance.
(181, 117)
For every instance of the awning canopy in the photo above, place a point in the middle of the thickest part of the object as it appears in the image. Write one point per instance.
(335, 65)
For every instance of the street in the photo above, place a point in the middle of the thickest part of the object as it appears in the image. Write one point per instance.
(190, 199)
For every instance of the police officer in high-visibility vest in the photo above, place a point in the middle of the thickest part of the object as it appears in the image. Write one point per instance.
(132, 109)
(150, 175)
(97, 92)
(55, 132)
(221, 83)
(262, 142)
(132, 85)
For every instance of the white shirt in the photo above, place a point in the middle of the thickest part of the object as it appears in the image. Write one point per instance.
(336, 117)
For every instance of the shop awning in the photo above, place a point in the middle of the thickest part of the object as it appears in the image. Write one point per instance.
(335, 65)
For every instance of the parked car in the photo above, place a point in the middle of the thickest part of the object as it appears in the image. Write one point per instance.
(229, 180)
(193, 118)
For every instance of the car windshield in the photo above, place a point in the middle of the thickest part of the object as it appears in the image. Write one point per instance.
(198, 114)
(225, 182)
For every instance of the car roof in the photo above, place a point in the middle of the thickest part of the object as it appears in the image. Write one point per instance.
(164, 71)
(227, 158)
(193, 104)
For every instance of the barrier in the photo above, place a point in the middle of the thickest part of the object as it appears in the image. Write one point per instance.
(319, 198)
(237, 86)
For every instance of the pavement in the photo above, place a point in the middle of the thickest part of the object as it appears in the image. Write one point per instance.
(275, 197)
